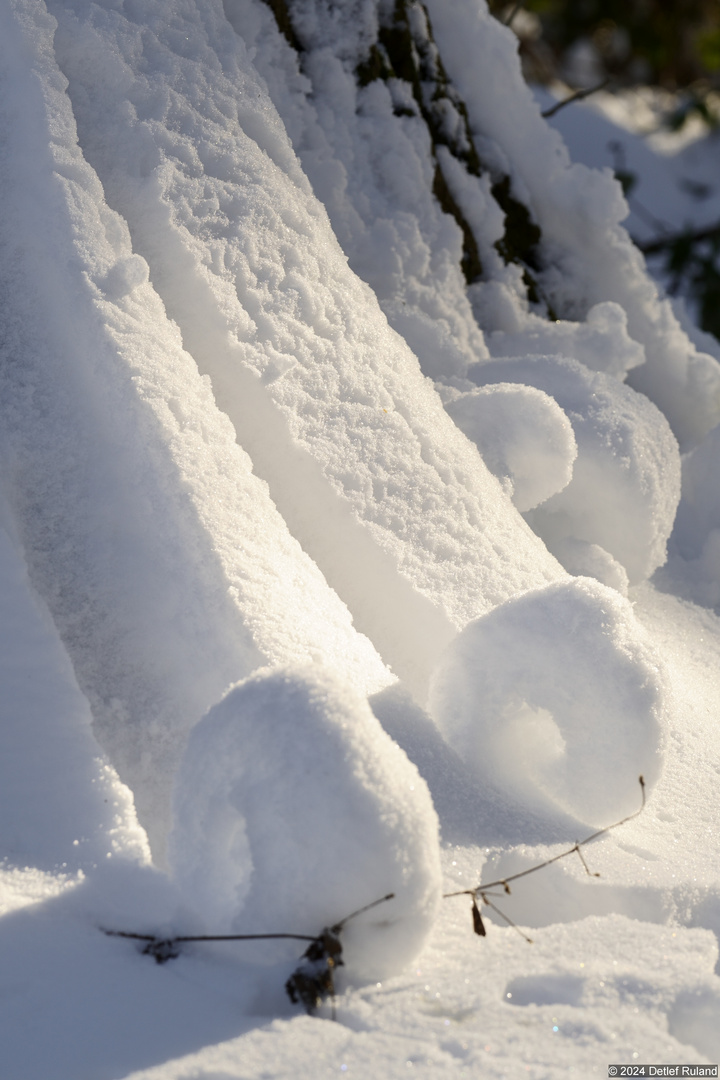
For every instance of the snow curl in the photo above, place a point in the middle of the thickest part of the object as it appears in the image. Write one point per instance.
(293, 808)
(557, 699)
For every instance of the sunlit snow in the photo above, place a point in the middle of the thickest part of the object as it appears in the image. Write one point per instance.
(346, 555)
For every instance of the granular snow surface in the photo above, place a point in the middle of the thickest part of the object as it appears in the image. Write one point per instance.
(350, 559)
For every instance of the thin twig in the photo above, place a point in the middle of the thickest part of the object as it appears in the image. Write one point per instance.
(210, 937)
(505, 917)
(509, 20)
(483, 891)
(338, 926)
(312, 982)
(577, 95)
(504, 882)
(581, 857)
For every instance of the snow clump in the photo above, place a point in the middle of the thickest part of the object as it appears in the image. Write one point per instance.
(625, 487)
(601, 342)
(557, 700)
(591, 259)
(293, 809)
(523, 436)
(590, 560)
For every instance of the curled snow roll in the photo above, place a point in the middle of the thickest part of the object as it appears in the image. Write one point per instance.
(293, 808)
(557, 700)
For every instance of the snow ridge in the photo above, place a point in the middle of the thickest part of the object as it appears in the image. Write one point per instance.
(244, 259)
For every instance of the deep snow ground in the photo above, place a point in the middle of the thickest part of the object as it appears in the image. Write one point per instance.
(249, 409)
(621, 968)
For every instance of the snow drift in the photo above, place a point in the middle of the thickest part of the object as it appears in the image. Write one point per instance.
(360, 458)
(294, 809)
(322, 372)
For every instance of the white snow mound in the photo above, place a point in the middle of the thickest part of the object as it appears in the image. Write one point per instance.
(590, 560)
(557, 699)
(372, 479)
(601, 342)
(167, 568)
(293, 809)
(626, 480)
(523, 436)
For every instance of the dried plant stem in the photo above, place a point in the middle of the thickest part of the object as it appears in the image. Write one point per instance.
(482, 890)
(338, 926)
(502, 915)
(313, 981)
(209, 937)
(577, 95)
(310, 983)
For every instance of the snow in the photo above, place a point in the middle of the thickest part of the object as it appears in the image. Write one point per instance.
(523, 436)
(627, 457)
(338, 561)
(84, 814)
(579, 211)
(160, 555)
(326, 401)
(584, 1019)
(372, 169)
(601, 342)
(578, 744)
(290, 769)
